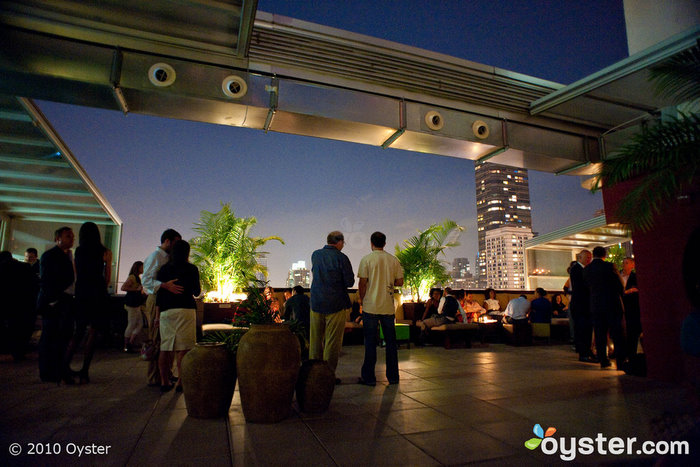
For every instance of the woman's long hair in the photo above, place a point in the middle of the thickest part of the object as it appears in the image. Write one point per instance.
(89, 236)
(136, 268)
(180, 253)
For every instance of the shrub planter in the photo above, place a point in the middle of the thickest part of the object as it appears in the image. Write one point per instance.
(208, 380)
(268, 360)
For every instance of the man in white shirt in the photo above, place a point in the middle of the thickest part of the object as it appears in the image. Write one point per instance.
(150, 284)
(379, 273)
(517, 309)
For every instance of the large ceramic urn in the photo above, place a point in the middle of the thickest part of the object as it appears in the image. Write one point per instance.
(315, 386)
(208, 376)
(268, 360)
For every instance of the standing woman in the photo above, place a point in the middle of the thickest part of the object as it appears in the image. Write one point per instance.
(132, 304)
(176, 313)
(93, 267)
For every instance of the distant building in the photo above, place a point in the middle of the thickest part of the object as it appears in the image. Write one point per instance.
(299, 275)
(462, 277)
(505, 257)
(502, 200)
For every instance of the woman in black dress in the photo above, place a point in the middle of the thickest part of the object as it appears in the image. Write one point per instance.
(93, 265)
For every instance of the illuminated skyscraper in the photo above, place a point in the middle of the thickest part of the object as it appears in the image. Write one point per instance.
(502, 200)
(299, 275)
(505, 257)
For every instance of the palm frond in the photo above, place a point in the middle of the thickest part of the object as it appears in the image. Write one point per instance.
(679, 76)
(419, 256)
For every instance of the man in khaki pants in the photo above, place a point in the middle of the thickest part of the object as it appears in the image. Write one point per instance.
(151, 266)
(330, 302)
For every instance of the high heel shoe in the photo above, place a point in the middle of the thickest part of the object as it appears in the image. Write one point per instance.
(83, 377)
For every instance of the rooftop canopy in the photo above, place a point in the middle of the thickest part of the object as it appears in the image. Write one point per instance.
(42, 186)
(226, 63)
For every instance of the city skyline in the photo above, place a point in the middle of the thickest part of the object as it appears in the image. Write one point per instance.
(160, 173)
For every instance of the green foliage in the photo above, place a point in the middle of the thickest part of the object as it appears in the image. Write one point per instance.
(616, 255)
(419, 257)
(256, 309)
(229, 338)
(678, 76)
(666, 155)
(225, 252)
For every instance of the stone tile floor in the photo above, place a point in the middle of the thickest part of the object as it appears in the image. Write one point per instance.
(452, 407)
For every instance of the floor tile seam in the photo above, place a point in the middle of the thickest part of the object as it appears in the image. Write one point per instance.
(402, 435)
(319, 441)
(143, 430)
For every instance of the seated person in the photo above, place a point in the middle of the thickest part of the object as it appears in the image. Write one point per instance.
(269, 294)
(431, 306)
(447, 313)
(540, 308)
(517, 310)
(297, 307)
(491, 304)
(356, 313)
(472, 309)
(559, 309)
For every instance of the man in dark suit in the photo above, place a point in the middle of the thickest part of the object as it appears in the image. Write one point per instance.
(55, 304)
(606, 306)
(580, 308)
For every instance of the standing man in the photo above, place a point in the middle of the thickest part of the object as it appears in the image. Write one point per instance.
(606, 306)
(580, 307)
(55, 304)
(150, 284)
(633, 320)
(379, 273)
(330, 303)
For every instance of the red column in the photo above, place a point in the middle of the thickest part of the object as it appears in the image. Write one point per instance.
(658, 258)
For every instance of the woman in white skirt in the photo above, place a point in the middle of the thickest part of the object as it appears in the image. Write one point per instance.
(176, 313)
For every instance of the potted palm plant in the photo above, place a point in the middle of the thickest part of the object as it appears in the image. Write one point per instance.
(420, 260)
(227, 255)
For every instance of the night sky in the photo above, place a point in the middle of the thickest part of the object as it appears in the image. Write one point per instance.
(159, 173)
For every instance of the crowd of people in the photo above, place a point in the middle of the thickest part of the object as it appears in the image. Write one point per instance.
(70, 293)
(604, 301)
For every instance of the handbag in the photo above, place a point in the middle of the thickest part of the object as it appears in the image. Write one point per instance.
(149, 351)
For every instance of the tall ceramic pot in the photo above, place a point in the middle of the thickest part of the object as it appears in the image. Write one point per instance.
(268, 360)
(208, 376)
(315, 386)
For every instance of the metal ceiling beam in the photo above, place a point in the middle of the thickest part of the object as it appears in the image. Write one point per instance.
(13, 174)
(25, 141)
(26, 160)
(332, 84)
(46, 202)
(65, 220)
(44, 190)
(14, 115)
(245, 27)
(626, 67)
(63, 212)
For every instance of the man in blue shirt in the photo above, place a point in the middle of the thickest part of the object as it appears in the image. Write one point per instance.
(330, 303)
